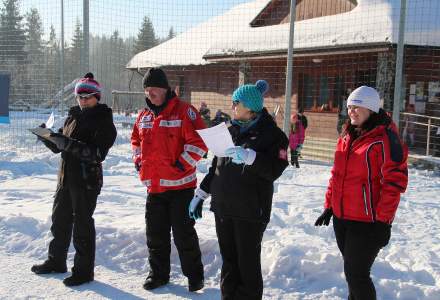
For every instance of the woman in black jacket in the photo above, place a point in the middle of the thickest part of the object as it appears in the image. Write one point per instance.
(84, 141)
(241, 186)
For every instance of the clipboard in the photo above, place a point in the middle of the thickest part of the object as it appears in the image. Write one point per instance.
(46, 134)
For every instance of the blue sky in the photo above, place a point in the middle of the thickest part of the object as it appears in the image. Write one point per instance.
(126, 15)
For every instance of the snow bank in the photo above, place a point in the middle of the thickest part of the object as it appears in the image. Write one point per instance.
(299, 261)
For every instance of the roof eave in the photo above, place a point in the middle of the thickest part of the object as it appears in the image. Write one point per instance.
(303, 52)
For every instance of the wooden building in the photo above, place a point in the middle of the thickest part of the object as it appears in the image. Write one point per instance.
(339, 45)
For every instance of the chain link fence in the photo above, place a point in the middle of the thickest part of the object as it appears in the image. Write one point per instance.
(208, 48)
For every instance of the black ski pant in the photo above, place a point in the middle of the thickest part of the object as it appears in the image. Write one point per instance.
(165, 212)
(294, 155)
(240, 248)
(359, 245)
(73, 209)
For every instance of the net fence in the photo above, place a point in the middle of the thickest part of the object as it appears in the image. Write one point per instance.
(209, 48)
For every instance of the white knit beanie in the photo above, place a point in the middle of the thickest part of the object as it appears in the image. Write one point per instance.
(365, 96)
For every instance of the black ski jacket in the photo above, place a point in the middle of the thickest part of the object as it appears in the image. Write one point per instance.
(242, 191)
(93, 133)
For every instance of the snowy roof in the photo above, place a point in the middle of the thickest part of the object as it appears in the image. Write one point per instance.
(189, 47)
(370, 22)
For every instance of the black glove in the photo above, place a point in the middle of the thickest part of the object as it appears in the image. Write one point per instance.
(61, 141)
(324, 218)
(382, 231)
(52, 147)
(42, 125)
(137, 166)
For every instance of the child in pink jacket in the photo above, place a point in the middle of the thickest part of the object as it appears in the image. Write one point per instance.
(296, 139)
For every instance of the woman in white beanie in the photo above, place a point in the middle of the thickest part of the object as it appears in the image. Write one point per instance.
(368, 176)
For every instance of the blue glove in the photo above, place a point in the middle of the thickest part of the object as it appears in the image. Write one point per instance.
(299, 147)
(241, 155)
(196, 205)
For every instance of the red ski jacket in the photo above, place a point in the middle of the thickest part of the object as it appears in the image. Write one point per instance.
(368, 176)
(168, 146)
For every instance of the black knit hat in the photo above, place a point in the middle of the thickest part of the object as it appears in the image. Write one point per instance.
(156, 77)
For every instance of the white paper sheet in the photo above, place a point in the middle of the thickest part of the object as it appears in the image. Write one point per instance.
(217, 139)
(50, 121)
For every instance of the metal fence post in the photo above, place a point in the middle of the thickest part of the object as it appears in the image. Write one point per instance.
(86, 28)
(399, 64)
(289, 74)
(428, 137)
(62, 60)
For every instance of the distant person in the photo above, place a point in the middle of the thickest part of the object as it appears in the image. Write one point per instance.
(409, 126)
(87, 135)
(369, 174)
(205, 113)
(220, 117)
(241, 186)
(166, 148)
(296, 139)
(342, 111)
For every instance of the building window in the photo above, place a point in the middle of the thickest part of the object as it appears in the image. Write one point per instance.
(305, 91)
(338, 93)
(365, 77)
(323, 92)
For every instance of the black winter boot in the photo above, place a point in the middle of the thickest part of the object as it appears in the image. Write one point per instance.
(76, 279)
(195, 285)
(154, 282)
(48, 267)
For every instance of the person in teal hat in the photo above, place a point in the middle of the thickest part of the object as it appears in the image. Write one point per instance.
(241, 189)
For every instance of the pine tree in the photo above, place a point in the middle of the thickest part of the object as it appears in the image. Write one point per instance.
(171, 33)
(52, 53)
(119, 56)
(34, 34)
(52, 43)
(36, 81)
(12, 34)
(146, 38)
(74, 53)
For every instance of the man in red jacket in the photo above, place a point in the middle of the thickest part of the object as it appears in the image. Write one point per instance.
(166, 148)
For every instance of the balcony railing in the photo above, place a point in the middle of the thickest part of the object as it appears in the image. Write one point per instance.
(421, 133)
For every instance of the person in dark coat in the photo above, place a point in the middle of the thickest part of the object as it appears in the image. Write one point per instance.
(220, 117)
(84, 141)
(369, 174)
(205, 113)
(241, 186)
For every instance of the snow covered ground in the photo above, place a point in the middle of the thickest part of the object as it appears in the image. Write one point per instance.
(299, 261)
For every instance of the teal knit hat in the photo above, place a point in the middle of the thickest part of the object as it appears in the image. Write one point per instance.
(251, 95)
